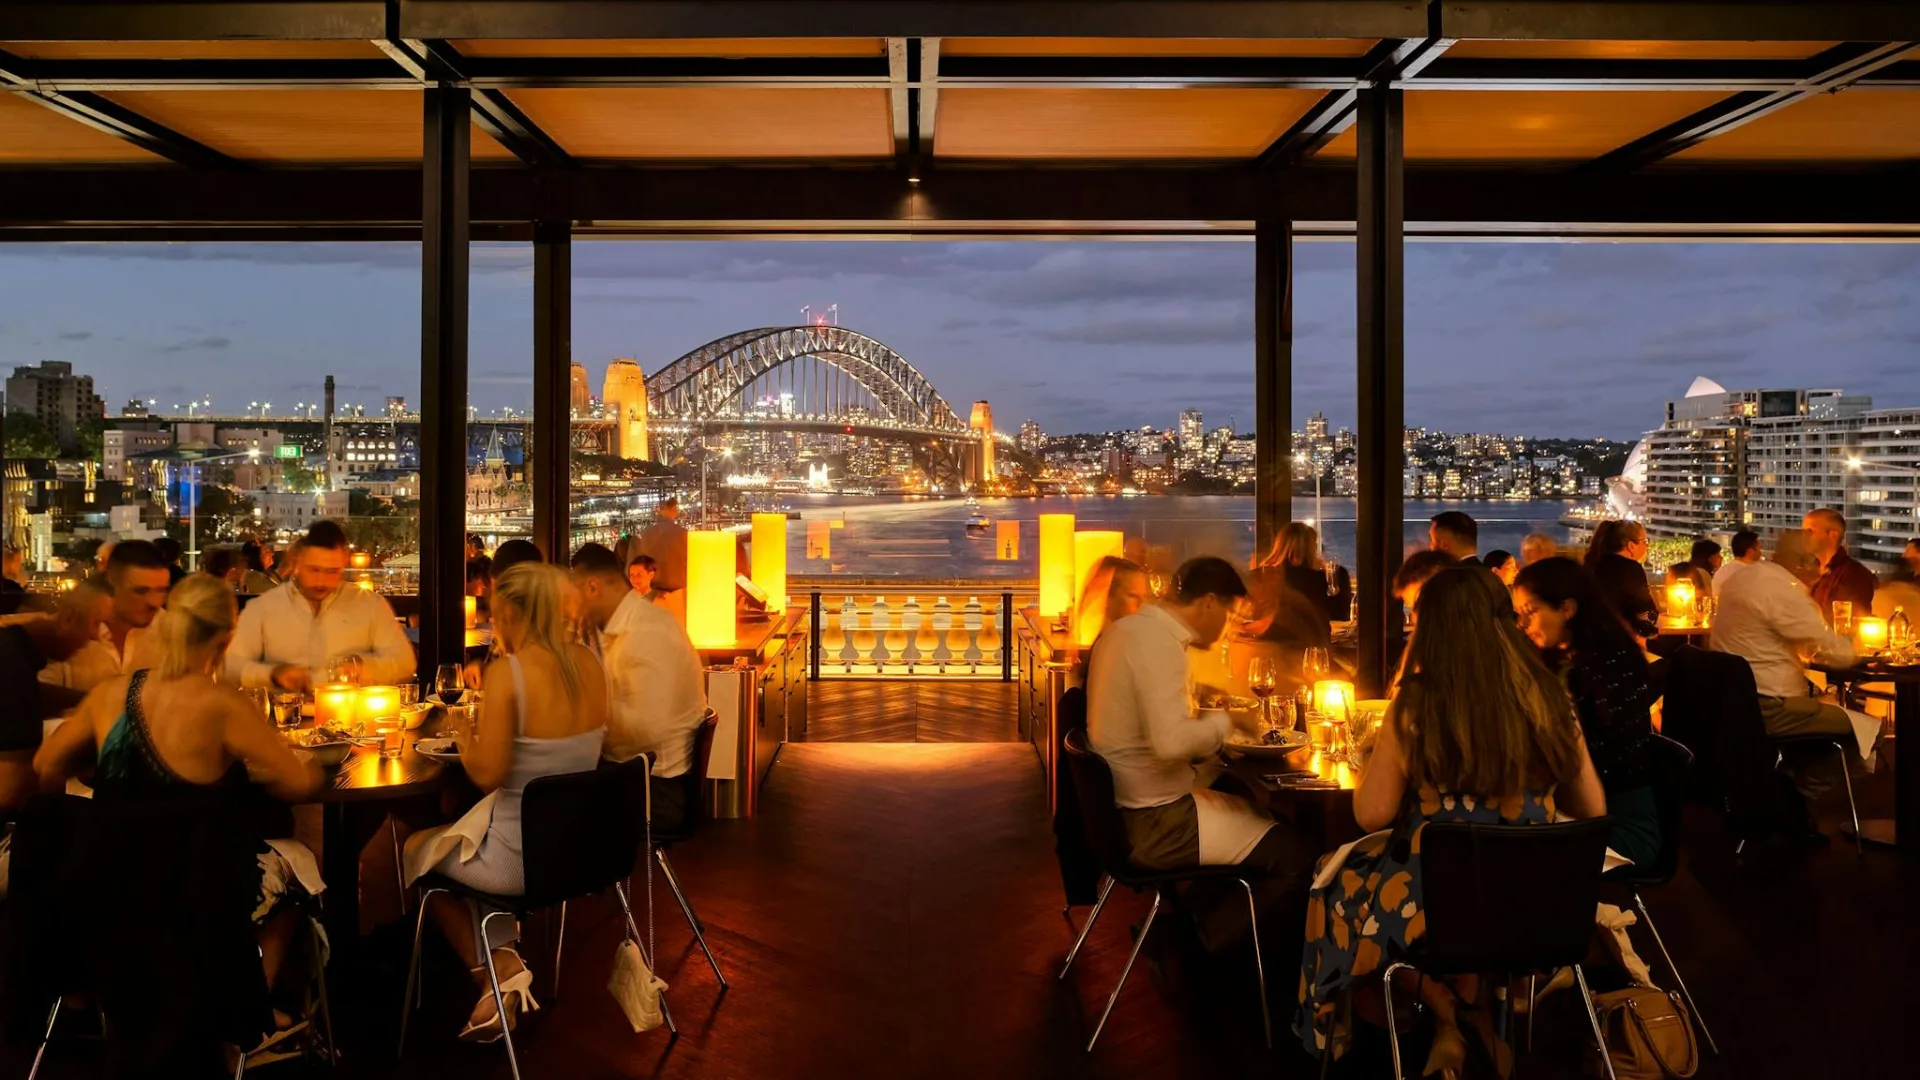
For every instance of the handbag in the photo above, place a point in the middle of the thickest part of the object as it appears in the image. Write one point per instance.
(1649, 1035)
(633, 983)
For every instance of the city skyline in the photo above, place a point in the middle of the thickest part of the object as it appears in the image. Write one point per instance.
(1529, 339)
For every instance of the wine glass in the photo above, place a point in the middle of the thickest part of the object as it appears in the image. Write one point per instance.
(1333, 578)
(1263, 677)
(1156, 584)
(1316, 664)
(448, 684)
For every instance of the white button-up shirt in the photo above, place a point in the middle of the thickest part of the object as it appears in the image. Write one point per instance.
(1726, 572)
(1139, 711)
(1767, 617)
(281, 627)
(98, 660)
(656, 692)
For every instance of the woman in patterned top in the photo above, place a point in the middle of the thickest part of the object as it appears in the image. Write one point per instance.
(1560, 607)
(1479, 732)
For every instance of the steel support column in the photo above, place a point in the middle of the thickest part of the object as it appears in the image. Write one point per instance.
(1382, 362)
(1272, 380)
(552, 388)
(443, 374)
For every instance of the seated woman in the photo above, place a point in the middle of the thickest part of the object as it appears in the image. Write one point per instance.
(174, 733)
(1480, 731)
(1501, 564)
(514, 745)
(1115, 589)
(1560, 608)
(1615, 559)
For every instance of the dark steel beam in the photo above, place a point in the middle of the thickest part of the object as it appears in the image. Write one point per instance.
(900, 98)
(925, 18)
(927, 100)
(552, 388)
(1272, 380)
(1836, 69)
(493, 111)
(1380, 273)
(1472, 73)
(443, 374)
(1684, 20)
(1387, 62)
(191, 20)
(1142, 200)
(106, 116)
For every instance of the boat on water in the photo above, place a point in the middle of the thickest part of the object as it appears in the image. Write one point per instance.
(978, 523)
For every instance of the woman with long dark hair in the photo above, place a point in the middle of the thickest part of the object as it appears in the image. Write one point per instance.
(1615, 559)
(1560, 608)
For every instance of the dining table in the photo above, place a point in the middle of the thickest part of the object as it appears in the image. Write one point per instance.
(1324, 813)
(1905, 681)
(357, 798)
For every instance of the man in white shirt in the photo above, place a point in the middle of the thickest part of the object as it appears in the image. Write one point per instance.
(1746, 552)
(1767, 617)
(136, 580)
(288, 637)
(656, 691)
(1140, 718)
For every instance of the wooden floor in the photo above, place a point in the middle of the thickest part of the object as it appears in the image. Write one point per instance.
(894, 911)
(898, 711)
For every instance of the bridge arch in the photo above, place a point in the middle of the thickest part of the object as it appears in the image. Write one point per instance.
(704, 383)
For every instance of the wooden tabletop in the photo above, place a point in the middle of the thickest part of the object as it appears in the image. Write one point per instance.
(1673, 629)
(1871, 669)
(367, 777)
(1325, 813)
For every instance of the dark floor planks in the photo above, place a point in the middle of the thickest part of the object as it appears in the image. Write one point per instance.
(900, 711)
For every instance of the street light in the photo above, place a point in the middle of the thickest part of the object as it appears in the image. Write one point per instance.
(193, 502)
(1317, 522)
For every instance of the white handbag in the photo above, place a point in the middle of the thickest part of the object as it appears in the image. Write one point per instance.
(633, 983)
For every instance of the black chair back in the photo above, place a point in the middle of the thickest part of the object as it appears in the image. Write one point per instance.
(1073, 710)
(1093, 782)
(580, 832)
(1509, 898)
(696, 774)
(1668, 764)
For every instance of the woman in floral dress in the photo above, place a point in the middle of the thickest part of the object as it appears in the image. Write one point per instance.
(1480, 731)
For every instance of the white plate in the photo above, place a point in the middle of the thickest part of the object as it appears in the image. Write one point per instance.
(1291, 741)
(437, 748)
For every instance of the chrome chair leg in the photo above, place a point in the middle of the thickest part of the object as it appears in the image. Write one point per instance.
(1532, 1002)
(559, 946)
(493, 980)
(627, 910)
(399, 866)
(1393, 1030)
(415, 981)
(1599, 1036)
(326, 1004)
(1698, 1020)
(46, 1037)
(1859, 845)
(1145, 929)
(1092, 917)
(686, 908)
(1259, 965)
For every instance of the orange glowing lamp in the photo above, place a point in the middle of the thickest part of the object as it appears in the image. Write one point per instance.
(373, 702)
(1873, 633)
(333, 705)
(770, 558)
(1006, 541)
(1334, 697)
(362, 560)
(710, 589)
(471, 606)
(1088, 549)
(1680, 597)
(1056, 564)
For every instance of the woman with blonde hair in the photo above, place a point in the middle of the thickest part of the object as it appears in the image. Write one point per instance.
(513, 745)
(1480, 731)
(1115, 589)
(1292, 600)
(173, 733)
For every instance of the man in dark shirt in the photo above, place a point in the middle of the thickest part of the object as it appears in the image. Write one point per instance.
(26, 646)
(1841, 578)
(1457, 534)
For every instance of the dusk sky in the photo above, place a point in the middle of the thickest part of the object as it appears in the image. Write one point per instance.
(1541, 339)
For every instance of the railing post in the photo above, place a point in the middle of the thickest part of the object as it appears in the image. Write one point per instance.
(813, 653)
(1006, 637)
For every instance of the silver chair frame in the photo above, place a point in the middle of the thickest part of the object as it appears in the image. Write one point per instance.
(1260, 968)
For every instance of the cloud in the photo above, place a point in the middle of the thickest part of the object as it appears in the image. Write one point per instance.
(1187, 327)
(76, 335)
(197, 345)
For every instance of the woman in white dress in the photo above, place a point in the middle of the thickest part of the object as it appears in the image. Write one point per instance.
(544, 714)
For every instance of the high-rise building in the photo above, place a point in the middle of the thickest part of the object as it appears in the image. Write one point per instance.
(1032, 439)
(1884, 512)
(52, 394)
(1317, 427)
(579, 400)
(625, 400)
(1192, 440)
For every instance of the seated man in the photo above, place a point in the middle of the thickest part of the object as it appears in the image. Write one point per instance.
(656, 691)
(1767, 617)
(1140, 718)
(1841, 577)
(1457, 534)
(135, 583)
(1746, 552)
(26, 646)
(288, 638)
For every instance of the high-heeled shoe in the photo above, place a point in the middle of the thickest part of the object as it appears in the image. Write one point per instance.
(516, 995)
(1448, 1055)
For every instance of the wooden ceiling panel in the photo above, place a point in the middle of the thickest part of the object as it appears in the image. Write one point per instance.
(32, 134)
(1469, 125)
(193, 50)
(707, 122)
(726, 48)
(1115, 124)
(1858, 125)
(1639, 50)
(1078, 46)
(350, 126)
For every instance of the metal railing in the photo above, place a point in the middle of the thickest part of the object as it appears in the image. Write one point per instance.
(913, 630)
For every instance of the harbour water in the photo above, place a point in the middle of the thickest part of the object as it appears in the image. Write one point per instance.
(928, 539)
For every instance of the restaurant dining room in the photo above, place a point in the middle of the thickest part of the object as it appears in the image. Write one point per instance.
(484, 742)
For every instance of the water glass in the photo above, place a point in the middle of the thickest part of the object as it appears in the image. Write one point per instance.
(409, 693)
(392, 735)
(287, 705)
(1843, 618)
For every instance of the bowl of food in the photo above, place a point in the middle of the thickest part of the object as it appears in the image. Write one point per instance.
(329, 748)
(415, 716)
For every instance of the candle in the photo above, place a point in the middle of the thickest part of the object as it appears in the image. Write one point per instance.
(374, 702)
(1334, 697)
(1680, 602)
(1873, 633)
(472, 606)
(333, 705)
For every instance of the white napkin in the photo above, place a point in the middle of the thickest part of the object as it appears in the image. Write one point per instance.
(426, 848)
(1865, 730)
